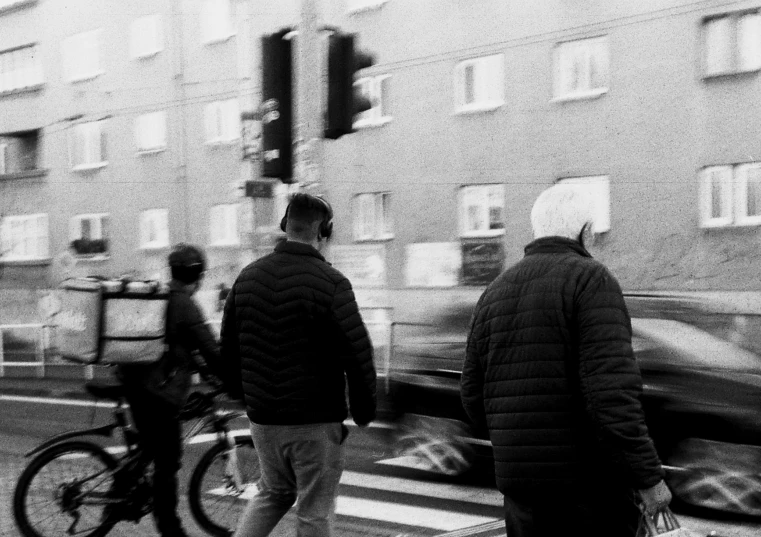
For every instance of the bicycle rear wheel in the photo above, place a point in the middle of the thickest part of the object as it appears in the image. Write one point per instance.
(62, 492)
(215, 501)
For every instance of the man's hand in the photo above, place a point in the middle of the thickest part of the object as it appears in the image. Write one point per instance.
(655, 498)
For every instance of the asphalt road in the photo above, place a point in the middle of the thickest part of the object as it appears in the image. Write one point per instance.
(378, 496)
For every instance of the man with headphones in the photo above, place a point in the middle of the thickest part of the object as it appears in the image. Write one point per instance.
(292, 329)
(158, 391)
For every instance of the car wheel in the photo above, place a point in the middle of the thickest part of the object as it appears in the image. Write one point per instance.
(716, 475)
(434, 444)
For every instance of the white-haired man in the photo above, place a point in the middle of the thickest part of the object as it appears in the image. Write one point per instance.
(549, 370)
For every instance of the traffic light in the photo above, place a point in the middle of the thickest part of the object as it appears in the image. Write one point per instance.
(277, 107)
(344, 100)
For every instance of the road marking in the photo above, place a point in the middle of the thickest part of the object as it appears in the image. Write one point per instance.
(55, 401)
(479, 495)
(397, 513)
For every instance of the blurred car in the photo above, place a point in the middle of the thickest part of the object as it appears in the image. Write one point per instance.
(700, 358)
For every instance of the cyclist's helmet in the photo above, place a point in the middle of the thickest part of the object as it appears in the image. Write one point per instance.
(187, 263)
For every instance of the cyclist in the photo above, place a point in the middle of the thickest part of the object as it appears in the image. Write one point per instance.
(157, 392)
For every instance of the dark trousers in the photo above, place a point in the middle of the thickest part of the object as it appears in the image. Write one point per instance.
(605, 513)
(158, 426)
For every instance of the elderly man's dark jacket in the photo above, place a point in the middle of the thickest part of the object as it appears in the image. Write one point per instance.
(550, 371)
(292, 329)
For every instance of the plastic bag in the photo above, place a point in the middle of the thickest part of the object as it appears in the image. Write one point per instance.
(662, 524)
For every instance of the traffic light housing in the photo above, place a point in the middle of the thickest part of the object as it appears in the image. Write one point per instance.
(344, 100)
(277, 107)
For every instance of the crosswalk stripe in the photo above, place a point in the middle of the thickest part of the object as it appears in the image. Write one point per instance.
(409, 515)
(479, 495)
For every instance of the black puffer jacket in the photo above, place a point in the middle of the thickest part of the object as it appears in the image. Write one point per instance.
(550, 371)
(293, 331)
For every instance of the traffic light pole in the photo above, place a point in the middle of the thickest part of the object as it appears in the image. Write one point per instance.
(309, 81)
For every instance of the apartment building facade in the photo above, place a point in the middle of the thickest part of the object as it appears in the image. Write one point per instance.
(120, 135)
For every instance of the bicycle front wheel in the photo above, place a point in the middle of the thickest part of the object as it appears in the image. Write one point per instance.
(222, 484)
(63, 491)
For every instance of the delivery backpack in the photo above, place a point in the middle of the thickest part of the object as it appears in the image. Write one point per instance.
(111, 321)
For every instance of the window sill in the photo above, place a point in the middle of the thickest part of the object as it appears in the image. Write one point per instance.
(42, 261)
(369, 7)
(147, 55)
(88, 258)
(85, 78)
(154, 247)
(20, 91)
(225, 245)
(385, 238)
(221, 143)
(581, 96)
(218, 40)
(18, 5)
(31, 174)
(145, 152)
(730, 225)
(727, 74)
(89, 167)
(483, 234)
(374, 123)
(478, 108)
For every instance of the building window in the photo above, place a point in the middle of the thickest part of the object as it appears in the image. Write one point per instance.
(581, 68)
(146, 36)
(150, 132)
(731, 195)
(479, 84)
(732, 43)
(223, 225)
(87, 145)
(19, 152)
(154, 228)
(222, 120)
(24, 237)
(355, 6)
(376, 90)
(216, 21)
(598, 188)
(89, 234)
(81, 56)
(372, 216)
(482, 210)
(20, 68)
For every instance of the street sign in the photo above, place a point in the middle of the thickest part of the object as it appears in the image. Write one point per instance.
(259, 189)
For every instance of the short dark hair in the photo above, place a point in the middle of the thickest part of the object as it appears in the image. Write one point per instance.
(304, 210)
(187, 263)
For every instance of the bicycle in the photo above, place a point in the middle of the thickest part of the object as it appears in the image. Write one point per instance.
(75, 486)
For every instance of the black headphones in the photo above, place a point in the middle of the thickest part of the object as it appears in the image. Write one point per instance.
(326, 226)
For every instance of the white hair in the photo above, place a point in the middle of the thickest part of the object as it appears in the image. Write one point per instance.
(562, 210)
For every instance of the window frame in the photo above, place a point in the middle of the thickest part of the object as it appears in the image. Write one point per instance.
(208, 16)
(6, 241)
(226, 240)
(741, 195)
(375, 116)
(88, 145)
(560, 53)
(75, 231)
(706, 197)
(226, 116)
(734, 43)
(151, 122)
(373, 210)
(72, 56)
(137, 49)
(488, 84)
(485, 191)
(149, 217)
(603, 215)
(27, 78)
